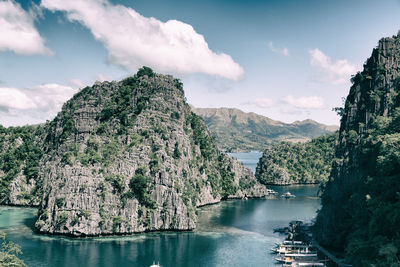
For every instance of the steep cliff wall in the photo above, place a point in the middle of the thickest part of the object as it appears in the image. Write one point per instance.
(360, 202)
(130, 156)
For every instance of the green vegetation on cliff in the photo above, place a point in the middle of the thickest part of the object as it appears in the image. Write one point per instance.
(9, 253)
(20, 154)
(302, 163)
(360, 214)
(236, 130)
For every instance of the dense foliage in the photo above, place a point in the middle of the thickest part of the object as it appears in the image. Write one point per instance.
(139, 188)
(9, 253)
(288, 163)
(209, 152)
(360, 214)
(20, 154)
(369, 230)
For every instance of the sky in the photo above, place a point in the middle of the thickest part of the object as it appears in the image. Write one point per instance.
(288, 60)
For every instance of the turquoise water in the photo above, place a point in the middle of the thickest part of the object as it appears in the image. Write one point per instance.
(248, 159)
(232, 233)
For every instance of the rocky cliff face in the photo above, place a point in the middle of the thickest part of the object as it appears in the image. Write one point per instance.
(130, 156)
(348, 199)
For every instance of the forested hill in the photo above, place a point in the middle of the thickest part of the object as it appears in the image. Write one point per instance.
(236, 130)
(360, 214)
(301, 163)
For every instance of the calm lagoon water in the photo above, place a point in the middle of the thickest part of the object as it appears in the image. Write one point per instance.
(249, 159)
(232, 233)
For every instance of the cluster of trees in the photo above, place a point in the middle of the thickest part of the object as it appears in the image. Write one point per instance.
(121, 105)
(9, 253)
(360, 214)
(20, 151)
(370, 216)
(299, 163)
(224, 182)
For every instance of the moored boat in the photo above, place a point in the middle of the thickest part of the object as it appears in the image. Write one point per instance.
(282, 249)
(304, 264)
(289, 246)
(288, 195)
(297, 257)
(271, 192)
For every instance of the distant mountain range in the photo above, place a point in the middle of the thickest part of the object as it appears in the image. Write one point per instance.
(236, 130)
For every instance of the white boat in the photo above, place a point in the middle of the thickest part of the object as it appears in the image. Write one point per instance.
(299, 249)
(289, 245)
(304, 264)
(292, 242)
(271, 192)
(155, 265)
(297, 257)
(288, 195)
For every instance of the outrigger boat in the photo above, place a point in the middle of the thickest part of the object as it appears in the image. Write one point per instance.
(271, 192)
(304, 264)
(297, 257)
(288, 195)
(292, 247)
(291, 242)
(296, 253)
(282, 249)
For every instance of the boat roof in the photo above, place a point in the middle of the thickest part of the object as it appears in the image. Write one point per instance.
(309, 264)
(300, 255)
(295, 245)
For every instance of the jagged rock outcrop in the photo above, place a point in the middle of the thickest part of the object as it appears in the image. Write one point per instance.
(364, 182)
(130, 156)
(301, 163)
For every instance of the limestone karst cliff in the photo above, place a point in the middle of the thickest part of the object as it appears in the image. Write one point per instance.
(361, 204)
(130, 156)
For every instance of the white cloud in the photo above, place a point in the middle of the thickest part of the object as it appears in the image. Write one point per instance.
(284, 51)
(264, 102)
(76, 83)
(18, 32)
(103, 77)
(305, 102)
(50, 97)
(133, 40)
(15, 99)
(336, 72)
(34, 104)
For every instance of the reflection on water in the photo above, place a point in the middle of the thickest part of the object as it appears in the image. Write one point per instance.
(232, 233)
